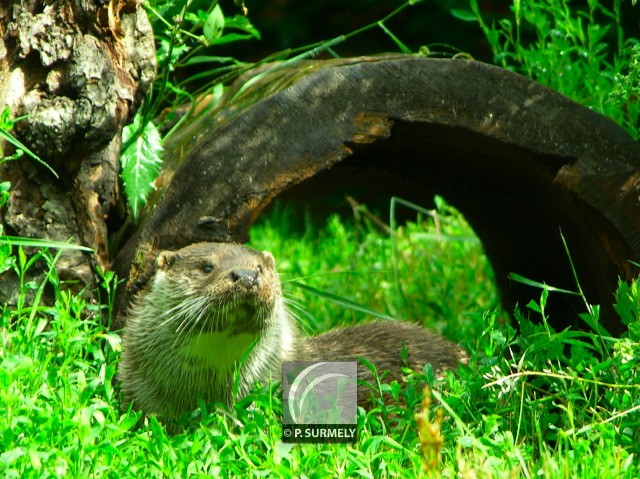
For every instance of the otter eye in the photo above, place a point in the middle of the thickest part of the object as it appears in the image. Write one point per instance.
(259, 268)
(207, 268)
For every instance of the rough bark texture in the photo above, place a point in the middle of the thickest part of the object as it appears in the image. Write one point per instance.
(78, 69)
(520, 161)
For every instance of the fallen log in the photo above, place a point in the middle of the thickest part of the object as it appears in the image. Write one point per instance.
(524, 164)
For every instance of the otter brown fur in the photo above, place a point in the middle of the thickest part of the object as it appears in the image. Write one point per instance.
(212, 308)
(382, 343)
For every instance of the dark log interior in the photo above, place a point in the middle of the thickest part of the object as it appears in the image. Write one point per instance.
(514, 207)
(521, 162)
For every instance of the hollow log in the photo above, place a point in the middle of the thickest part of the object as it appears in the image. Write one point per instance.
(524, 164)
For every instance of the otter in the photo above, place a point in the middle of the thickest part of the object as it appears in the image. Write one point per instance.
(216, 310)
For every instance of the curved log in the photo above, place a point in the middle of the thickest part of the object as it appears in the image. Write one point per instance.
(521, 162)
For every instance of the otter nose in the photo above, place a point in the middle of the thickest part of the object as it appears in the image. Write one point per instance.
(246, 277)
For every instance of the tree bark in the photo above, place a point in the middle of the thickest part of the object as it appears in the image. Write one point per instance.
(525, 165)
(77, 70)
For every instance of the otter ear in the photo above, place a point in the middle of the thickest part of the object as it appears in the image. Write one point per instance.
(165, 260)
(268, 259)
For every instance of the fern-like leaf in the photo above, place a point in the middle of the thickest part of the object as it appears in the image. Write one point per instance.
(140, 162)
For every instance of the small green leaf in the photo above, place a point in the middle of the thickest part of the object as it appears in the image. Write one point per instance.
(230, 37)
(212, 28)
(534, 306)
(498, 337)
(165, 48)
(6, 121)
(203, 59)
(242, 23)
(464, 15)
(4, 194)
(141, 162)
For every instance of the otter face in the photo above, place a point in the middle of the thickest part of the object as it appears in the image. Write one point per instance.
(222, 287)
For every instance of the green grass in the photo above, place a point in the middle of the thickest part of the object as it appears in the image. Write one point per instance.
(354, 260)
(533, 403)
(581, 51)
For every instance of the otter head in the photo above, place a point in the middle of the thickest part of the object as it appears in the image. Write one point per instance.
(211, 309)
(219, 287)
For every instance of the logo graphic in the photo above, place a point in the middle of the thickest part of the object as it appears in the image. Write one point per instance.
(320, 401)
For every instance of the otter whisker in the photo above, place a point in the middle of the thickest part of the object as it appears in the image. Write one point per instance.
(192, 308)
(190, 319)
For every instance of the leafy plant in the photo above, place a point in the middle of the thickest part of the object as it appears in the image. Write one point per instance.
(141, 161)
(625, 94)
(192, 73)
(184, 31)
(627, 305)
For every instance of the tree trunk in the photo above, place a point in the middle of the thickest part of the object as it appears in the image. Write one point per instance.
(525, 165)
(78, 70)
